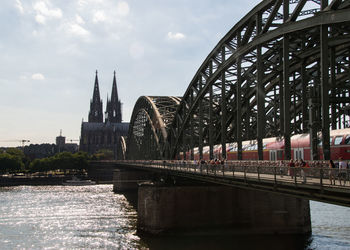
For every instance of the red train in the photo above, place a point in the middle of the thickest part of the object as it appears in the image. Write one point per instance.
(273, 149)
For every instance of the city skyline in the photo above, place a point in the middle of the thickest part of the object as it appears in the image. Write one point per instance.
(51, 50)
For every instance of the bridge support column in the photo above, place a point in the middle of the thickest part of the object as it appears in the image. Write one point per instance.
(127, 180)
(219, 209)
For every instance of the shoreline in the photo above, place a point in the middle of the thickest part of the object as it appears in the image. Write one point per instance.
(32, 180)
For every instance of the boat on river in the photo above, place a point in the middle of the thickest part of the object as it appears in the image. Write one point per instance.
(75, 181)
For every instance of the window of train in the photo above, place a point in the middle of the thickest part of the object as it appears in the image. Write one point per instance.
(279, 154)
(347, 140)
(338, 140)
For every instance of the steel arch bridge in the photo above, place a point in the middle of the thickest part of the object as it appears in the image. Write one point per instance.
(147, 137)
(283, 69)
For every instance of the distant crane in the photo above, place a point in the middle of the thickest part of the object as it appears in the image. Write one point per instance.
(23, 141)
(72, 140)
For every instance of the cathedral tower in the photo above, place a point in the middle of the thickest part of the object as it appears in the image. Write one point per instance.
(95, 113)
(113, 109)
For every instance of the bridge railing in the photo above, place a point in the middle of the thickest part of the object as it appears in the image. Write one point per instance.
(314, 173)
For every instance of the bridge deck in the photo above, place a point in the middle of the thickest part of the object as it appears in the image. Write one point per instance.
(317, 185)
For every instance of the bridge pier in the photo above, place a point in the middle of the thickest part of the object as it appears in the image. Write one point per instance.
(219, 209)
(127, 179)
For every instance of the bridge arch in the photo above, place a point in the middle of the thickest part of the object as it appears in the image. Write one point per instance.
(283, 69)
(147, 136)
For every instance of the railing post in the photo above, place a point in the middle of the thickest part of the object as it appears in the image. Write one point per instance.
(245, 173)
(274, 173)
(321, 176)
(295, 175)
(258, 169)
(233, 170)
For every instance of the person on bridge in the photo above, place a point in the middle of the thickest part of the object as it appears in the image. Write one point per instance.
(281, 166)
(342, 170)
(331, 172)
(304, 169)
(291, 168)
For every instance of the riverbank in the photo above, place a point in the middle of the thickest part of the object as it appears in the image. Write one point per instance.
(28, 180)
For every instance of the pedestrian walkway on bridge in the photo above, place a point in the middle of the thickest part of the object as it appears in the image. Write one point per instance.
(312, 182)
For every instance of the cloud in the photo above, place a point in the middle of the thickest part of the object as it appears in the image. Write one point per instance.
(82, 2)
(19, 6)
(176, 36)
(123, 8)
(78, 30)
(79, 19)
(44, 12)
(99, 16)
(40, 19)
(38, 76)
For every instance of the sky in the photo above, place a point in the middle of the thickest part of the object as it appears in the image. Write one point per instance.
(50, 50)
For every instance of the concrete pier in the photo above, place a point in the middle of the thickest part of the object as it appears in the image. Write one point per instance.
(199, 209)
(128, 179)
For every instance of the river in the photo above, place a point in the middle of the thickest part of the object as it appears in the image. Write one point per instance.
(93, 217)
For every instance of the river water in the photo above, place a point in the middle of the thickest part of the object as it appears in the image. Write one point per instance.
(93, 217)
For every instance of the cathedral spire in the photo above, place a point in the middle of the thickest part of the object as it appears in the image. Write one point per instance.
(96, 94)
(113, 111)
(95, 114)
(114, 95)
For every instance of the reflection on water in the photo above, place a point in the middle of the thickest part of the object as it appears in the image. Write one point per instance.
(66, 217)
(330, 226)
(93, 217)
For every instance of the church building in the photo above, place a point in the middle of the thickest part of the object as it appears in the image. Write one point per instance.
(109, 134)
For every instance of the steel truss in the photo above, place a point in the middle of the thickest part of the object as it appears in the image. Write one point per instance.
(147, 136)
(283, 69)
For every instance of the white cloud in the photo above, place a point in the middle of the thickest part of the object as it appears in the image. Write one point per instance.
(99, 16)
(19, 6)
(123, 8)
(79, 19)
(82, 2)
(176, 36)
(40, 19)
(76, 29)
(42, 9)
(38, 76)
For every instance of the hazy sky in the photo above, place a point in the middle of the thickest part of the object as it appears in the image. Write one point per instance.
(50, 50)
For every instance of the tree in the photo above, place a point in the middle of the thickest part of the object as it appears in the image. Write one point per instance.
(104, 154)
(61, 161)
(10, 163)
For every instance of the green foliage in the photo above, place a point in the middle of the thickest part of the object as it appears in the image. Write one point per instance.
(13, 160)
(16, 152)
(10, 163)
(61, 161)
(103, 154)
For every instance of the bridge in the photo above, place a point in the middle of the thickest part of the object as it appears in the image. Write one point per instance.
(282, 70)
(258, 175)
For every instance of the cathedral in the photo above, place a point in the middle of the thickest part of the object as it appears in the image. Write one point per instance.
(109, 134)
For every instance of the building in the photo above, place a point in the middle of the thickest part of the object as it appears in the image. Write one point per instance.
(62, 146)
(109, 134)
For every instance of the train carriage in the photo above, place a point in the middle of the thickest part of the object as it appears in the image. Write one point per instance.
(273, 148)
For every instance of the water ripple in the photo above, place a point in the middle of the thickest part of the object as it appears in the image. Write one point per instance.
(56, 217)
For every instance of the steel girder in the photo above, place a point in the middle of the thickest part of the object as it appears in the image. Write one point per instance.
(121, 150)
(282, 69)
(147, 136)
